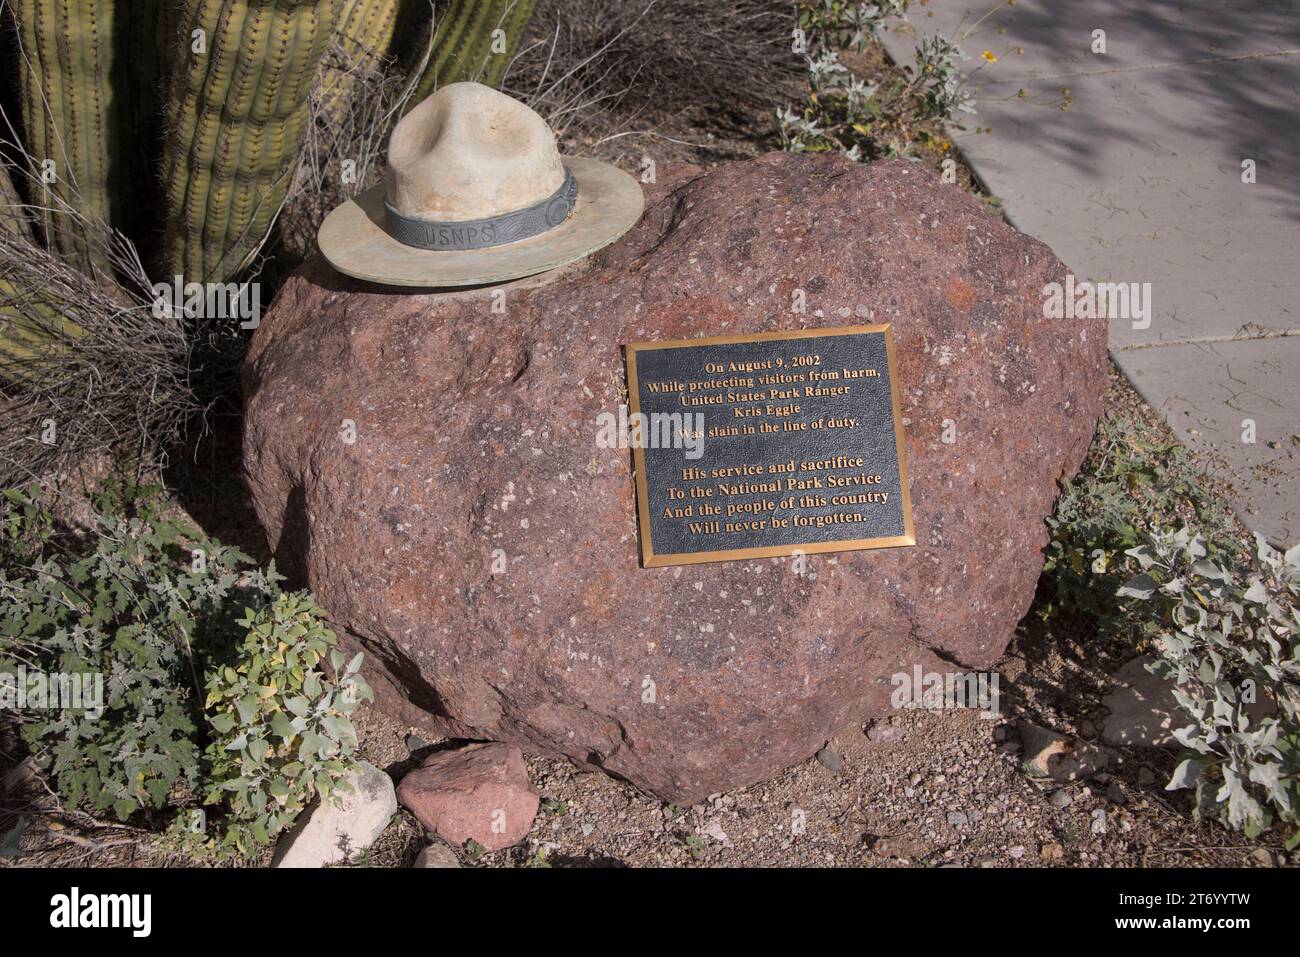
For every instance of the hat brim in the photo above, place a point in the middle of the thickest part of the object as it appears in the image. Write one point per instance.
(353, 239)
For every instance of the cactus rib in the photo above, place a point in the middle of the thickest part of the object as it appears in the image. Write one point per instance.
(462, 43)
(238, 111)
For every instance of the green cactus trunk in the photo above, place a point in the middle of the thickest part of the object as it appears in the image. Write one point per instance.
(365, 28)
(13, 219)
(86, 90)
(363, 41)
(238, 108)
(463, 43)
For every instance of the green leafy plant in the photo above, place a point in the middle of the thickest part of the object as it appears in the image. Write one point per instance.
(697, 845)
(124, 608)
(282, 727)
(849, 26)
(539, 858)
(898, 116)
(1228, 638)
(1134, 477)
(215, 683)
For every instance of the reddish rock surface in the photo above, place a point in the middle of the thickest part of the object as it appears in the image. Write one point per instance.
(481, 548)
(478, 792)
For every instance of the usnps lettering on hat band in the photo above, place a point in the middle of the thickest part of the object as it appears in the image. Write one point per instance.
(484, 233)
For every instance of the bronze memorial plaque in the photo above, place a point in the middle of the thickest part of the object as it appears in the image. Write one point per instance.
(763, 445)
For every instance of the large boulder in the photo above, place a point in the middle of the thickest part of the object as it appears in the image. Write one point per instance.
(428, 463)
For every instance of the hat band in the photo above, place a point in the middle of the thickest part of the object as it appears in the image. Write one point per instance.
(485, 233)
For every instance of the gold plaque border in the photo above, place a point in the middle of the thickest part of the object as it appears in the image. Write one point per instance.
(651, 559)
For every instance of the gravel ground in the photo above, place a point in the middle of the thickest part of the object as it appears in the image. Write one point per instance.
(918, 788)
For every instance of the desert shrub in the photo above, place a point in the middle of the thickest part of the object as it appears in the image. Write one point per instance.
(211, 679)
(1134, 477)
(121, 608)
(871, 120)
(590, 67)
(85, 366)
(1228, 637)
(282, 731)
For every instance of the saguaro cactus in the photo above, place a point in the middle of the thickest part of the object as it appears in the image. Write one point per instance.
(80, 96)
(466, 45)
(12, 218)
(238, 107)
(365, 28)
(227, 81)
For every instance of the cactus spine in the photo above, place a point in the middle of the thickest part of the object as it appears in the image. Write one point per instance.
(238, 108)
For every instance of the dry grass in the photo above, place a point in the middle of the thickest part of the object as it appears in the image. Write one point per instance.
(674, 72)
(87, 364)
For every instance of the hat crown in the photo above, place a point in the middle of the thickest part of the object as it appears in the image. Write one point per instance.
(468, 152)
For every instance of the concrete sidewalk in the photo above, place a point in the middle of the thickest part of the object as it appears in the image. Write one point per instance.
(1139, 180)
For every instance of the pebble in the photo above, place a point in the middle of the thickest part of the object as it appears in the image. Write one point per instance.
(1052, 852)
(1060, 799)
(714, 830)
(1017, 851)
(436, 856)
(957, 818)
(1099, 821)
(885, 733)
(830, 760)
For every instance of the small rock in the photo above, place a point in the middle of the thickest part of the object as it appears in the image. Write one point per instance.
(437, 855)
(830, 760)
(1041, 745)
(478, 792)
(882, 733)
(1146, 777)
(906, 845)
(1082, 762)
(332, 831)
(415, 743)
(1060, 799)
(1262, 857)
(1052, 852)
(714, 830)
(957, 818)
(1017, 851)
(1099, 821)
(1115, 794)
(587, 829)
